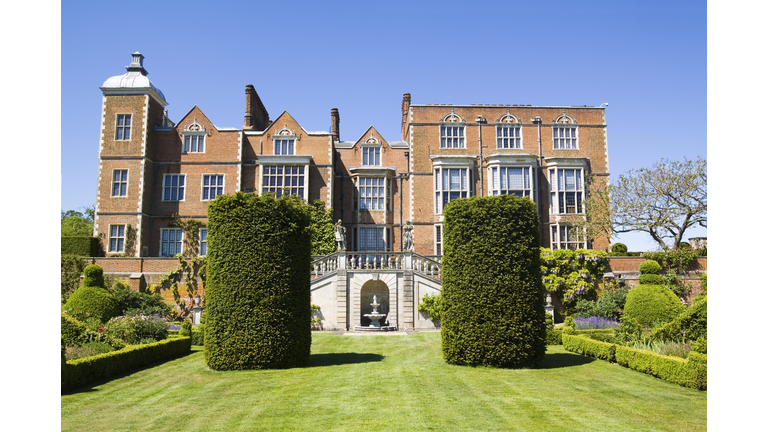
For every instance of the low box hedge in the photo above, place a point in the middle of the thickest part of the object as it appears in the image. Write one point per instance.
(76, 373)
(581, 344)
(688, 373)
(691, 372)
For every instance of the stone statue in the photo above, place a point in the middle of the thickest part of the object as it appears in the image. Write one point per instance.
(341, 238)
(408, 237)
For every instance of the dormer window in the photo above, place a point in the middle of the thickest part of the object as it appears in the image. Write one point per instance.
(371, 152)
(193, 138)
(285, 142)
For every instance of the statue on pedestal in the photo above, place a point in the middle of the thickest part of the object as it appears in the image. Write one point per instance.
(341, 238)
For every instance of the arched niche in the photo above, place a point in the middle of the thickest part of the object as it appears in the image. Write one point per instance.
(367, 291)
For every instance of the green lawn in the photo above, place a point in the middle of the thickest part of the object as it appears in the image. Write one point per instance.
(386, 383)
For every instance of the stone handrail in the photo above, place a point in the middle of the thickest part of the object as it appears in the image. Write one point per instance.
(322, 265)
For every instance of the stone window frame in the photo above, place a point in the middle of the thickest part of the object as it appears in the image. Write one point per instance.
(284, 142)
(116, 238)
(564, 236)
(497, 184)
(120, 184)
(179, 187)
(300, 176)
(556, 190)
(508, 122)
(202, 236)
(453, 132)
(371, 145)
(206, 189)
(193, 138)
(363, 235)
(442, 195)
(177, 241)
(439, 233)
(565, 133)
(121, 128)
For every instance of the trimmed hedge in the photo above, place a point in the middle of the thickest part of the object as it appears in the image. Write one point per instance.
(651, 303)
(582, 344)
(258, 291)
(79, 372)
(688, 373)
(80, 246)
(493, 297)
(94, 301)
(72, 331)
(692, 321)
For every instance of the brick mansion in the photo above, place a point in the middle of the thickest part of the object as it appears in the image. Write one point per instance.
(153, 169)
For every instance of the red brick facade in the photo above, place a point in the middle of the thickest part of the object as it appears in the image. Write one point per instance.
(376, 185)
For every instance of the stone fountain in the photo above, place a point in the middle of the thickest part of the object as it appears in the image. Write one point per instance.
(375, 316)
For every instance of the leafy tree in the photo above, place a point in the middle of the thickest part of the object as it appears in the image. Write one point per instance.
(662, 201)
(77, 224)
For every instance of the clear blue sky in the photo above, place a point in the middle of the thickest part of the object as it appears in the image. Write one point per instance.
(647, 60)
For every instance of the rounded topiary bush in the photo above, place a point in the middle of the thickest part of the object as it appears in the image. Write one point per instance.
(651, 279)
(93, 276)
(92, 300)
(619, 247)
(650, 304)
(258, 308)
(493, 297)
(72, 331)
(650, 267)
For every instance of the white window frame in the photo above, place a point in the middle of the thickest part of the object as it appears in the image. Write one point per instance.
(285, 146)
(181, 183)
(565, 137)
(193, 138)
(120, 183)
(122, 128)
(280, 175)
(560, 192)
(211, 190)
(564, 236)
(453, 131)
(509, 136)
(464, 189)
(202, 236)
(372, 193)
(117, 238)
(177, 241)
(500, 176)
(439, 233)
(371, 155)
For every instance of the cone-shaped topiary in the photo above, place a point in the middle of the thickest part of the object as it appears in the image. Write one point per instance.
(258, 289)
(493, 297)
(649, 304)
(92, 300)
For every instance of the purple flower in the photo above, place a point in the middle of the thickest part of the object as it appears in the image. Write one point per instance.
(594, 322)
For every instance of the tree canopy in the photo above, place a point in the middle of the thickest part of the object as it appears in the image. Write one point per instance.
(77, 224)
(663, 201)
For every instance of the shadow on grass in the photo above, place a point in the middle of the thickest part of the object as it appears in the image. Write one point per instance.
(91, 386)
(562, 360)
(337, 359)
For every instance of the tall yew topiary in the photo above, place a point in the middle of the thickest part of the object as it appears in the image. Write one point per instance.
(258, 294)
(493, 297)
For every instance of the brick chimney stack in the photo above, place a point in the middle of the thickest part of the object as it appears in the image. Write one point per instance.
(256, 116)
(335, 124)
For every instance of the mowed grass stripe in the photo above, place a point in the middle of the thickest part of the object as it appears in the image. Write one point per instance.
(386, 383)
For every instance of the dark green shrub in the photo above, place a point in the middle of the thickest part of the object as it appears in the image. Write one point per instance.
(76, 373)
(651, 279)
(186, 328)
(94, 276)
(619, 247)
(689, 325)
(258, 295)
(92, 302)
(650, 304)
(72, 331)
(321, 229)
(80, 246)
(71, 268)
(699, 345)
(493, 298)
(650, 267)
(198, 335)
(432, 305)
(609, 305)
(137, 303)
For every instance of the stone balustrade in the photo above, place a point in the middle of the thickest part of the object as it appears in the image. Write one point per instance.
(322, 265)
